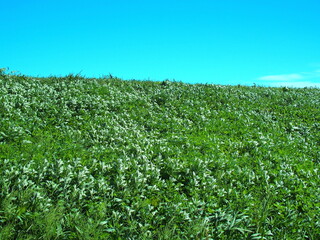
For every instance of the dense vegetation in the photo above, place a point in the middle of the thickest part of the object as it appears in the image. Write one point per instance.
(105, 158)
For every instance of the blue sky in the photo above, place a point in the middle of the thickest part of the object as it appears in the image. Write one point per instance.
(267, 43)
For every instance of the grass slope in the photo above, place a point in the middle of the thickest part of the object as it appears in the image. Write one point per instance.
(112, 159)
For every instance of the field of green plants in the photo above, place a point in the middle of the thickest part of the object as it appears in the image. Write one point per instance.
(84, 158)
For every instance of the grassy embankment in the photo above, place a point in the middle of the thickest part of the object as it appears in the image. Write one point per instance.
(111, 159)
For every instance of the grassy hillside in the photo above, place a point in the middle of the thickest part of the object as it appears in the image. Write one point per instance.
(111, 159)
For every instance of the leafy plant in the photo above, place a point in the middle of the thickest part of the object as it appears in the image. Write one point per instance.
(87, 158)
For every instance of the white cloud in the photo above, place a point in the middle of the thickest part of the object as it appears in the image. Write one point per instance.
(302, 79)
(282, 77)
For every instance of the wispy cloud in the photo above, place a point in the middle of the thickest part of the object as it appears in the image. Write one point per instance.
(282, 77)
(303, 79)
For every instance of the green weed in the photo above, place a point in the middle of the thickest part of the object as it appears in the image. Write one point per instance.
(85, 158)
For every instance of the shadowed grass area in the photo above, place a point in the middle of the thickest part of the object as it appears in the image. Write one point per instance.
(84, 158)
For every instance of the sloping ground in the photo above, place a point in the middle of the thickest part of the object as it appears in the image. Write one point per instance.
(111, 159)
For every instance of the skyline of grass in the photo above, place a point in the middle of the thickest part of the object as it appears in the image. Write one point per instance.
(104, 158)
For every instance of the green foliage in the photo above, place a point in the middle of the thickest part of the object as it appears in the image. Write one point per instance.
(111, 159)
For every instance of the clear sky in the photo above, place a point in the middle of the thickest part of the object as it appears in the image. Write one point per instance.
(267, 43)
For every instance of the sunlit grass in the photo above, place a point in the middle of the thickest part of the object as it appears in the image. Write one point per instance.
(105, 158)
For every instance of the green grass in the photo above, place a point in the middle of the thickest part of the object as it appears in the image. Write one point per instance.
(105, 158)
